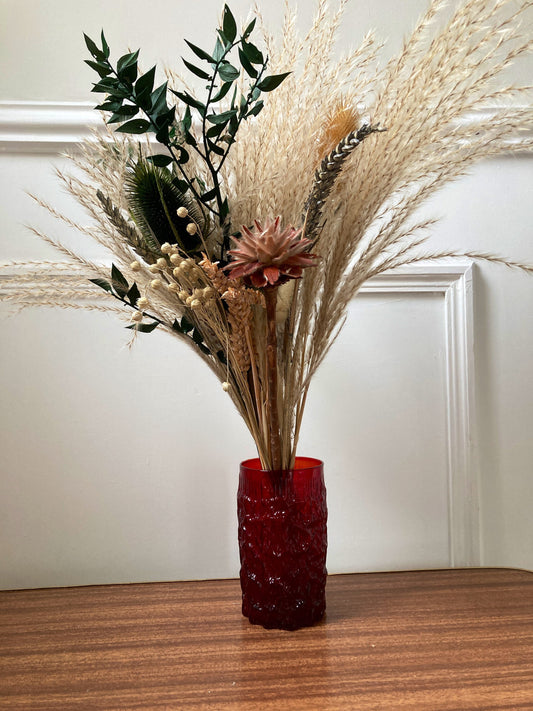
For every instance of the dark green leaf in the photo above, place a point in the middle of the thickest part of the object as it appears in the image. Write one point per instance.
(272, 82)
(182, 185)
(200, 53)
(144, 327)
(190, 139)
(120, 283)
(196, 70)
(163, 123)
(160, 160)
(223, 38)
(214, 148)
(222, 91)
(229, 26)
(133, 295)
(112, 87)
(248, 31)
(117, 276)
(228, 72)
(105, 46)
(190, 100)
(107, 85)
(93, 49)
(223, 117)
(102, 69)
(127, 67)
(215, 131)
(186, 121)
(255, 109)
(129, 74)
(233, 97)
(209, 195)
(122, 93)
(127, 60)
(247, 65)
(219, 51)
(113, 106)
(184, 156)
(164, 118)
(103, 284)
(99, 89)
(134, 126)
(197, 336)
(158, 98)
(124, 113)
(233, 126)
(162, 135)
(186, 325)
(224, 209)
(252, 53)
(108, 82)
(143, 89)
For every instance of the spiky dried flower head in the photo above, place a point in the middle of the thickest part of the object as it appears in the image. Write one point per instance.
(340, 121)
(269, 255)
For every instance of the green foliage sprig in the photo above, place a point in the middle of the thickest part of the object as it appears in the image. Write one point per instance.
(129, 294)
(139, 108)
(119, 287)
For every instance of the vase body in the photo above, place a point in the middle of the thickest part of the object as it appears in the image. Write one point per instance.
(282, 543)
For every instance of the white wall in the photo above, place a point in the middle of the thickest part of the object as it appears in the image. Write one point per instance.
(120, 466)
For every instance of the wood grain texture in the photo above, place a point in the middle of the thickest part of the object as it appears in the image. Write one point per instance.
(436, 640)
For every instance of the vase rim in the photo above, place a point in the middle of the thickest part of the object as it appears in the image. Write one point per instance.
(300, 463)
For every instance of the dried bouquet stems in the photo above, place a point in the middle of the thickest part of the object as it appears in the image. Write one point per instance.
(260, 209)
(271, 293)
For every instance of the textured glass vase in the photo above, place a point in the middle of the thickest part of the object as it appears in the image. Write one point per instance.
(282, 543)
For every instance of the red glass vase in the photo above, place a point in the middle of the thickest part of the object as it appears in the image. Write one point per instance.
(282, 543)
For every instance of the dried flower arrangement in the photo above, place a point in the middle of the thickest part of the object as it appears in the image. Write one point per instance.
(245, 223)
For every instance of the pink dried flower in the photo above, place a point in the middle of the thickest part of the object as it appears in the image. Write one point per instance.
(267, 255)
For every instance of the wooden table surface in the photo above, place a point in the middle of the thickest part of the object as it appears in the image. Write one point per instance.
(450, 639)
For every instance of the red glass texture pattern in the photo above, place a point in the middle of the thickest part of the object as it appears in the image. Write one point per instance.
(282, 542)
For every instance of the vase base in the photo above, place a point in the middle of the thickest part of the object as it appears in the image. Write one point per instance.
(284, 620)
